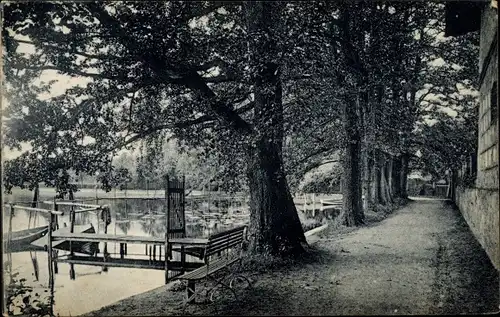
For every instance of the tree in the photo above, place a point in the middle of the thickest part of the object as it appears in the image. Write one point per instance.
(183, 71)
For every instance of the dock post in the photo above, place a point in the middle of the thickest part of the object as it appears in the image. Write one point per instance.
(56, 227)
(71, 230)
(9, 241)
(105, 212)
(9, 234)
(167, 223)
(49, 255)
(183, 260)
(54, 256)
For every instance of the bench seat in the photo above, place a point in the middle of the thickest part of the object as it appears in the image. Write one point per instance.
(204, 271)
(198, 252)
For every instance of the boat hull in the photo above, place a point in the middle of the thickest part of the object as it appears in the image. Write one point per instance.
(89, 248)
(21, 240)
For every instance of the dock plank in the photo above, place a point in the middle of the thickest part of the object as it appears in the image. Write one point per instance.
(92, 237)
(188, 241)
(129, 263)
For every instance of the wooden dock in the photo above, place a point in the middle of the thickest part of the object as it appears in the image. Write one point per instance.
(93, 237)
(129, 263)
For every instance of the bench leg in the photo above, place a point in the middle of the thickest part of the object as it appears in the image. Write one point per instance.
(224, 285)
(191, 291)
(239, 276)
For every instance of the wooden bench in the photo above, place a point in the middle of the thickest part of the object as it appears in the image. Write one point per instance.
(222, 250)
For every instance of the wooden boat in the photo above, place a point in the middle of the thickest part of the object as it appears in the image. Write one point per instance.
(89, 248)
(21, 240)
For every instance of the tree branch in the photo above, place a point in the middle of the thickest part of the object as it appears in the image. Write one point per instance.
(196, 83)
(65, 50)
(189, 79)
(317, 164)
(161, 127)
(69, 71)
(317, 152)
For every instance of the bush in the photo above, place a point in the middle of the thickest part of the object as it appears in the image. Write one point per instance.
(21, 300)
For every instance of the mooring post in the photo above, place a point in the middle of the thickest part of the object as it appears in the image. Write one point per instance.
(54, 256)
(71, 230)
(167, 226)
(104, 213)
(49, 255)
(9, 240)
(9, 234)
(97, 213)
(56, 227)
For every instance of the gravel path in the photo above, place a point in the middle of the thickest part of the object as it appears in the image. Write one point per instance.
(420, 260)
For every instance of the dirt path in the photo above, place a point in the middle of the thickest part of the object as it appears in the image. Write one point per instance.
(420, 260)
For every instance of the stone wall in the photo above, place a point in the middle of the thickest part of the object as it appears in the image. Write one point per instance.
(480, 209)
(480, 205)
(487, 176)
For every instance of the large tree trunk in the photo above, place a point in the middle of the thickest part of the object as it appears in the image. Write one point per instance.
(373, 183)
(275, 227)
(381, 184)
(367, 186)
(376, 178)
(396, 176)
(388, 177)
(367, 151)
(351, 202)
(351, 195)
(404, 175)
(352, 189)
(384, 199)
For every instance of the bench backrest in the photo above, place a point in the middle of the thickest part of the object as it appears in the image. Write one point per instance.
(224, 241)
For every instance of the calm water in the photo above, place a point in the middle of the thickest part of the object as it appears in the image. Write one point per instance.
(93, 288)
